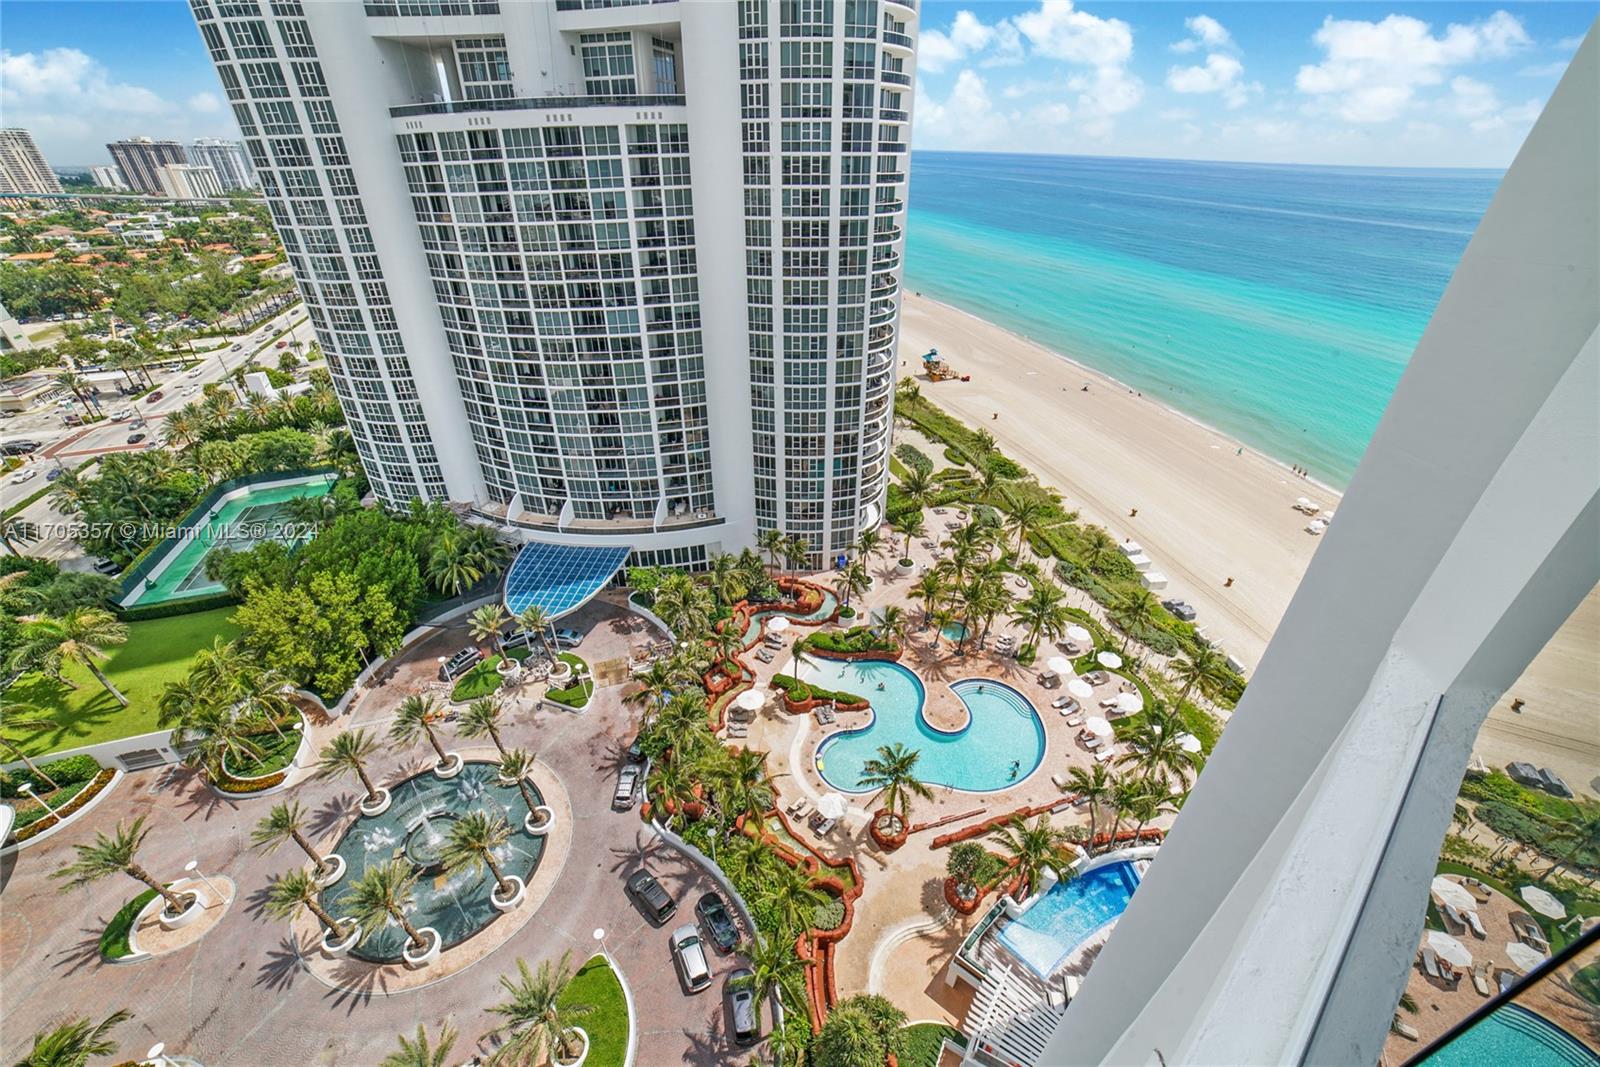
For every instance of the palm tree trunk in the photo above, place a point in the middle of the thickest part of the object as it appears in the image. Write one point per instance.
(494, 869)
(405, 924)
(174, 902)
(33, 770)
(103, 680)
(328, 921)
(494, 735)
(527, 794)
(1185, 694)
(434, 741)
(366, 782)
(305, 846)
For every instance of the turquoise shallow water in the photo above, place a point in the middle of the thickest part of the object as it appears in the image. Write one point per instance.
(1066, 915)
(1512, 1034)
(1279, 304)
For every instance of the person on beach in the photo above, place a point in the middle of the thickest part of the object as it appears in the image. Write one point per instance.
(1133, 513)
(1228, 584)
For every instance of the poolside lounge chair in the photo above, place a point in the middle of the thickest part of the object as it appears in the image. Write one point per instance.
(1480, 978)
(1476, 888)
(1452, 917)
(1065, 704)
(765, 655)
(1430, 963)
(1059, 781)
(1093, 742)
(738, 729)
(1405, 1029)
(1475, 922)
(1075, 720)
(1108, 754)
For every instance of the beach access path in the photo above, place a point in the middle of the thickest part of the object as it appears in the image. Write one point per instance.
(1208, 511)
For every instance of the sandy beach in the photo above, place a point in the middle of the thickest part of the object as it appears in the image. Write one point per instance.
(1209, 510)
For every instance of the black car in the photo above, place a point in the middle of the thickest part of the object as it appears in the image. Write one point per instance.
(650, 898)
(135, 437)
(713, 912)
(1180, 609)
(459, 663)
(18, 448)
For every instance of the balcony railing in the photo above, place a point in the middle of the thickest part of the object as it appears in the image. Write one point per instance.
(897, 40)
(424, 8)
(458, 107)
(594, 5)
(890, 114)
(895, 77)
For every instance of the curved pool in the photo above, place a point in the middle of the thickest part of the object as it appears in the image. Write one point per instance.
(1069, 914)
(1513, 1034)
(1001, 745)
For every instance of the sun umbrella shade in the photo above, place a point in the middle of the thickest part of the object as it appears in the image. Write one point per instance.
(1109, 660)
(1130, 702)
(1078, 635)
(1080, 689)
(1059, 664)
(1448, 948)
(777, 625)
(1452, 893)
(1189, 742)
(1098, 726)
(1542, 902)
(1523, 957)
(833, 806)
(751, 699)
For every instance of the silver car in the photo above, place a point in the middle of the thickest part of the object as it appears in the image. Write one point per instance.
(689, 953)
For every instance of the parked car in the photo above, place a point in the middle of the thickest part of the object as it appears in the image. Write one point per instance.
(282, 344)
(1526, 773)
(19, 447)
(1181, 609)
(236, 346)
(567, 638)
(515, 639)
(1553, 783)
(54, 473)
(25, 476)
(741, 997)
(135, 437)
(460, 663)
(636, 750)
(107, 567)
(720, 928)
(153, 397)
(689, 953)
(627, 785)
(650, 898)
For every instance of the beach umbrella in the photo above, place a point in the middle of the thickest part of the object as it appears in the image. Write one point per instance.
(1302, 501)
(1523, 957)
(1078, 635)
(1080, 689)
(1130, 702)
(1542, 902)
(751, 699)
(1452, 893)
(1189, 742)
(1448, 948)
(777, 625)
(1109, 660)
(833, 806)
(1098, 726)
(1060, 664)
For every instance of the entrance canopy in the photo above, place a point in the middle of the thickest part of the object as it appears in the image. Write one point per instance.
(559, 578)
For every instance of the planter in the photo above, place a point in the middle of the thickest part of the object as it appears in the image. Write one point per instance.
(332, 870)
(959, 904)
(509, 670)
(907, 565)
(418, 959)
(188, 915)
(560, 674)
(583, 1053)
(539, 821)
(450, 766)
(376, 804)
(336, 949)
(519, 893)
(882, 836)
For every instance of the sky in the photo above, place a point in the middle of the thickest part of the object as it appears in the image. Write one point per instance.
(1390, 84)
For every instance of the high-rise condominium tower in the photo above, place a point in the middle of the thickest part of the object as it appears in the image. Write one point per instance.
(612, 272)
(22, 165)
(227, 158)
(140, 159)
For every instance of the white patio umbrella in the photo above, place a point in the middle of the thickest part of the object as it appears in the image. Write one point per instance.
(833, 806)
(1523, 957)
(777, 625)
(1189, 742)
(1098, 726)
(1078, 635)
(1060, 664)
(751, 699)
(1080, 689)
(1130, 702)
(1452, 893)
(1303, 501)
(1542, 902)
(1448, 948)
(1109, 660)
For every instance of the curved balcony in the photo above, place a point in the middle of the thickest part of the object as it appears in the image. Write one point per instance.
(909, 5)
(889, 262)
(459, 107)
(894, 77)
(893, 115)
(886, 237)
(897, 40)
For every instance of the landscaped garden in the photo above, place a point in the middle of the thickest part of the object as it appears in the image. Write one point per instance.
(597, 987)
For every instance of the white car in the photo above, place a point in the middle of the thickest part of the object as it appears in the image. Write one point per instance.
(24, 476)
(195, 373)
(689, 953)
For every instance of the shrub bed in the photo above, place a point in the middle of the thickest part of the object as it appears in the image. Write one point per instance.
(114, 940)
(855, 639)
(481, 681)
(801, 692)
(69, 770)
(575, 695)
(85, 794)
(914, 458)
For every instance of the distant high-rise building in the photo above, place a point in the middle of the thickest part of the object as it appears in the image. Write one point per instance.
(227, 158)
(140, 159)
(22, 165)
(185, 181)
(615, 273)
(107, 177)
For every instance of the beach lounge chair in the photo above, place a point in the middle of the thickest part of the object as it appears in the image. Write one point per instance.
(1059, 781)
(1093, 742)
(1430, 963)
(1480, 978)
(1475, 923)
(802, 809)
(1476, 888)
(1108, 754)
(1066, 705)
(765, 655)
(1405, 1029)
(1075, 720)
(1452, 917)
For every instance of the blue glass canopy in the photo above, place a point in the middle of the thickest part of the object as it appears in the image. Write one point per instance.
(559, 578)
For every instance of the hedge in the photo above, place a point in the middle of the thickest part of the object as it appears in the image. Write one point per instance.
(800, 692)
(856, 639)
(169, 608)
(69, 770)
(914, 458)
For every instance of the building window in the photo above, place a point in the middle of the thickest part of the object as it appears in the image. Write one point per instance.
(608, 64)
(484, 68)
(664, 54)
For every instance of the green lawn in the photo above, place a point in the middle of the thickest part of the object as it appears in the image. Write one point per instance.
(596, 984)
(481, 681)
(158, 651)
(923, 1041)
(114, 941)
(276, 754)
(577, 694)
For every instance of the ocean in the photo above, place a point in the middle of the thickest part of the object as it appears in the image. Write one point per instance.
(1278, 304)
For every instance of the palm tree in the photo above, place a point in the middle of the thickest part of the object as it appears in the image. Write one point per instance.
(79, 386)
(117, 854)
(775, 969)
(727, 643)
(1027, 514)
(797, 552)
(485, 621)
(723, 578)
(384, 892)
(655, 683)
(893, 774)
(212, 733)
(1094, 786)
(80, 636)
(771, 542)
(743, 785)
(851, 580)
(1204, 667)
(292, 891)
(482, 719)
(1135, 612)
(452, 565)
(792, 898)
(930, 589)
(1098, 547)
(1125, 794)
(910, 527)
(1043, 611)
(891, 625)
(535, 1018)
(1033, 849)
(471, 843)
(1149, 803)
(518, 764)
(985, 597)
(1581, 832)
(286, 822)
(25, 722)
(671, 787)
(73, 1042)
(348, 753)
(918, 487)
(1156, 747)
(415, 720)
(533, 619)
(868, 544)
(420, 1051)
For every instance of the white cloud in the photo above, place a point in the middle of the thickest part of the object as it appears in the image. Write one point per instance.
(1219, 74)
(967, 35)
(1057, 30)
(1546, 70)
(1479, 104)
(1371, 70)
(1569, 44)
(205, 103)
(70, 78)
(1204, 32)
(968, 118)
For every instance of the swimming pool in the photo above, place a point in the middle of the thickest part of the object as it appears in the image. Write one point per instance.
(1002, 744)
(954, 631)
(1513, 1034)
(1068, 914)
